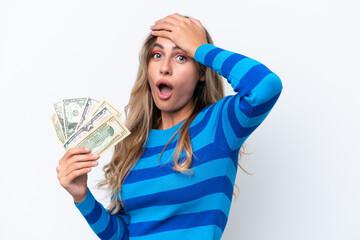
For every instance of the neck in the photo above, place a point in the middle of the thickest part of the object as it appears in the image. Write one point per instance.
(170, 119)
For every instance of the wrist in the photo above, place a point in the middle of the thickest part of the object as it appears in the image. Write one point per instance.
(196, 47)
(79, 199)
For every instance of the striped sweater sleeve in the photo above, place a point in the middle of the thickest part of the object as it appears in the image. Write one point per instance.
(257, 90)
(105, 225)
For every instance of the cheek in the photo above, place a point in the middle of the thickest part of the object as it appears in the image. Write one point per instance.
(189, 81)
(150, 70)
(150, 79)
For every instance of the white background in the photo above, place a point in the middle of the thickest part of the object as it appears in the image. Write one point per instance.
(305, 156)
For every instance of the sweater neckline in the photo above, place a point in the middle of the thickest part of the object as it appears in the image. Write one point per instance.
(166, 132)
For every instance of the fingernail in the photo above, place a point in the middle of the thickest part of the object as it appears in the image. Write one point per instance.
(95, 155)
(87, 149)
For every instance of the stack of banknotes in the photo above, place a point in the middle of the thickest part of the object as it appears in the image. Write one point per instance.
(86, 122)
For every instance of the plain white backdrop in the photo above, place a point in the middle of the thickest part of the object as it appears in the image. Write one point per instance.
(305, 156)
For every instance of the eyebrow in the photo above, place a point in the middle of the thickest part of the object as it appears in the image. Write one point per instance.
(160, 46)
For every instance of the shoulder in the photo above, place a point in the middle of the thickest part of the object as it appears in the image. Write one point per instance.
(211, 112)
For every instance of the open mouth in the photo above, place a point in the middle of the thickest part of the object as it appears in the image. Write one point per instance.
(165, 89)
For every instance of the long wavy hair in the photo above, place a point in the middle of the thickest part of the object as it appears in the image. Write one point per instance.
(142, 115)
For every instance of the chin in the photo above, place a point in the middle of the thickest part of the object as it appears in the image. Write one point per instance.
(167, 109)
(166, 106)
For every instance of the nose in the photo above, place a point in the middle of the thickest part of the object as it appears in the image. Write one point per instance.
(165, 67)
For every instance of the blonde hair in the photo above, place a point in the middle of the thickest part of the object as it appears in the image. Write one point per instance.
(142, 115)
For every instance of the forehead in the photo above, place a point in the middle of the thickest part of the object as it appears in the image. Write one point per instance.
(165, 43)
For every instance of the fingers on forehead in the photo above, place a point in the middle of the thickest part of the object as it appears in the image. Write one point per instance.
(177, 16)
(173, 18)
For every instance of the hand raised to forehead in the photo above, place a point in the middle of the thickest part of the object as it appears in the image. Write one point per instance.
(187, 33)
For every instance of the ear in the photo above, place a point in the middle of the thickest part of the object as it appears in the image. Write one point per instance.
(202, 77)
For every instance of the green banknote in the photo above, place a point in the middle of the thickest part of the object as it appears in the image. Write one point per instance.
(105, 103)
(59, 111)
(87, 127)
(89, 107)
(57, 127)
(102, 138)
(73, 109)
(85, 121)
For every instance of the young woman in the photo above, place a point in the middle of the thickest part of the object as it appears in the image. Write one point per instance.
(173, 177)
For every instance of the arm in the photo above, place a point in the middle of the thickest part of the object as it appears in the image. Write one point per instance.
(257, 87)
(72, 174)
(105, 225)
(257, 91)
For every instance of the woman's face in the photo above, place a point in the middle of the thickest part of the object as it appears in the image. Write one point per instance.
(172, 76)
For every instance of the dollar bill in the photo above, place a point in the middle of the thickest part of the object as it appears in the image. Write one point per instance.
(57, 127)
(59, 110)
(87, 127)
(73, 109)
(102, 138)
(89, 107)
(105, 103)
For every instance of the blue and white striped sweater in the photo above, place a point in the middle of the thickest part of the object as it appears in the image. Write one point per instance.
(162, 204)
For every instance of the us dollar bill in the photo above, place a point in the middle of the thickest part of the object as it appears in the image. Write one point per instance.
(105, 103)
(73, 109)
(59, 110)
(87, 127)
(57, 126)
(102, 138)
(89, 107)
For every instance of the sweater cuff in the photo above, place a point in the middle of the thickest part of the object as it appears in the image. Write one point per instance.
(202, 51)
(87, 205)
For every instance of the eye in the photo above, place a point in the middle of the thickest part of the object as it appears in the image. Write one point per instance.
(181, 58)
(156, 55)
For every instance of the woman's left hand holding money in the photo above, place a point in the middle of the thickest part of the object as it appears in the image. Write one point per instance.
(187, 33)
